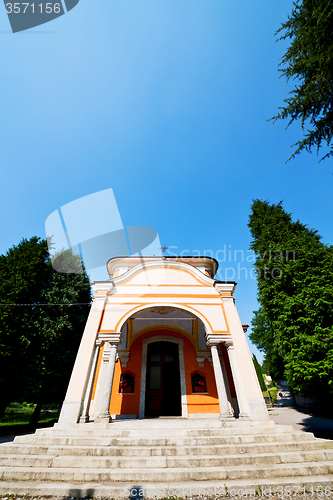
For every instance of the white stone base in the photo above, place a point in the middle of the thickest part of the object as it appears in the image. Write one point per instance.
(258, 410)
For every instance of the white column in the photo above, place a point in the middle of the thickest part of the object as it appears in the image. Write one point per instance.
(105, 377)
(244, 410)
(72, 404)
(220, 384)
(87, 397)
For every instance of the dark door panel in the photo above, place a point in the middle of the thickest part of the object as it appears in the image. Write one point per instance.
(163, 380)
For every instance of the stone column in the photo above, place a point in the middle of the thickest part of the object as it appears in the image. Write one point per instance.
(87, 396)
(244, 410)
(106, 374)
(220, 384)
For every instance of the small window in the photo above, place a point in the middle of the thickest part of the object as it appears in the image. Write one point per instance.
(198, 382)
(126, 385)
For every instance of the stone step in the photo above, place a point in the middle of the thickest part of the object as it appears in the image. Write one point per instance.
(123, 490)
(146, 451)
(167, 423)
(112, 432)
(126, 453)
(246, 431)
(162, 441)
(157, 475)
(84, 462)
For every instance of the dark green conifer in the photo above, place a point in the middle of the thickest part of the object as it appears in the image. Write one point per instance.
(309, 61)
(259, 373)
(294, 324)
(38, 344)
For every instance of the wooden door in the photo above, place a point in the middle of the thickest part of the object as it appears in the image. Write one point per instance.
(163, 380)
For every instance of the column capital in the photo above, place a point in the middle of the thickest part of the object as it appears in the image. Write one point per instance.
(217, 338)
(124, 357)
(112, 338)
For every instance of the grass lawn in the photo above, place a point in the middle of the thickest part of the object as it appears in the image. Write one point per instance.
(15, 417)
(273, 392)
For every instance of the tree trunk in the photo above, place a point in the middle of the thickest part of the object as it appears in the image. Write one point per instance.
(3, 406)
(35, 416)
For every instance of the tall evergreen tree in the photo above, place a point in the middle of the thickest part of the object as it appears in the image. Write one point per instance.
(309, 61)
(262, 336)
(38, 342)
(294, 324)
(259, 372)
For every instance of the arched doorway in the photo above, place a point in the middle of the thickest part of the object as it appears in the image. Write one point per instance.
(163, 397)
(180, 350)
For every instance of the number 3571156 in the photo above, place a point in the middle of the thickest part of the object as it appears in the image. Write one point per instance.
(23, 8)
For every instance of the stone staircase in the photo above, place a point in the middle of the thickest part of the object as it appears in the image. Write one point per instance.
(175, 457)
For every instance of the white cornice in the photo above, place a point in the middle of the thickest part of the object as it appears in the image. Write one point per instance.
(159, 262)
(225, 287)
(102, 287)
(131, 261)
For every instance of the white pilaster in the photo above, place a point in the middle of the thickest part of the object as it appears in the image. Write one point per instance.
(87, 397)
(220, 384)
(244, 410)
(72, 404)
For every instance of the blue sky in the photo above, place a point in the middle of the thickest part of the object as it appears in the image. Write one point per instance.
(165, 102)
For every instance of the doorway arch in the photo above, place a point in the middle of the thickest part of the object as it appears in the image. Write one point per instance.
(183, 398)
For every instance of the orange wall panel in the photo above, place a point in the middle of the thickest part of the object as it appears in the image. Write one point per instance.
(122, 404)
(128, 404)
(199, 403)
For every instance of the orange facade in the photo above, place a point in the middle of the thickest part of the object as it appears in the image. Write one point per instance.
(128, 404)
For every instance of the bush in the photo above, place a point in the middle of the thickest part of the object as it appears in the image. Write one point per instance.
(15, 405)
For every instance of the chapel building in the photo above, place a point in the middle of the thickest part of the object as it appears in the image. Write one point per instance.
(163, 339)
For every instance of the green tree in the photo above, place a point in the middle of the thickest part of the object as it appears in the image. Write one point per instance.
(38, 342)
(262, 336)
(259, 373)
(309, 61)
(295, 293)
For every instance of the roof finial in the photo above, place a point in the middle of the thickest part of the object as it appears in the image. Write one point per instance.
(164, 249)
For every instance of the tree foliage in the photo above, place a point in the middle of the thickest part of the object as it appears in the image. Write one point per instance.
(294, 325)
(259, 373)
(309, 61)
(262, 336)
(38, 343)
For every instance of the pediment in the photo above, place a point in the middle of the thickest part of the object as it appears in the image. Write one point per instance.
(164, 274)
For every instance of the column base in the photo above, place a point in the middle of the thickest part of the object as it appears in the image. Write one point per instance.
(244, 416)
(226, 416)
(84, 419)
(103, 418)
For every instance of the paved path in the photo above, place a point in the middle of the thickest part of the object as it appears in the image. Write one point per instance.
(302, 420)
(9, 439)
